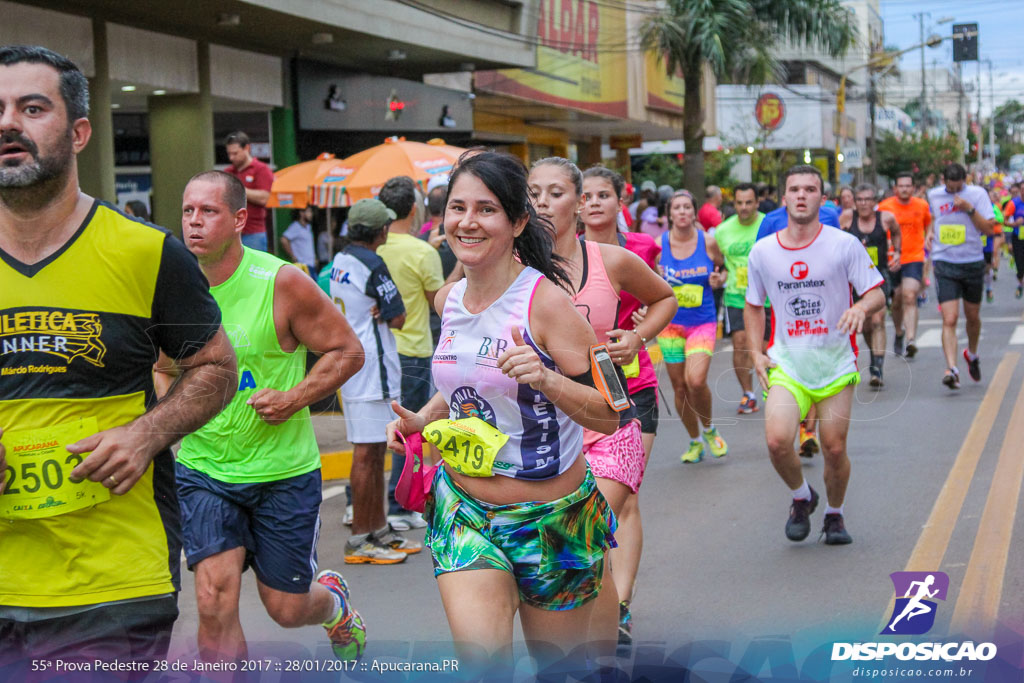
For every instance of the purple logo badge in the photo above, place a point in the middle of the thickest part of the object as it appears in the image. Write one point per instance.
(916, 593)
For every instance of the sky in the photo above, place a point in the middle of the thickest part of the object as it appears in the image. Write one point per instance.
(1000, 32)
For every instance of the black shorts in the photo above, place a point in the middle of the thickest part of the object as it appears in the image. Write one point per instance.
(277, 522)
(886, 287)
(959, 281)
(914, 270)
(734, 321)
(646, 401)
(137, 631)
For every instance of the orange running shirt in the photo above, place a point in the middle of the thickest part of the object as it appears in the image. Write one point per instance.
(914, 218)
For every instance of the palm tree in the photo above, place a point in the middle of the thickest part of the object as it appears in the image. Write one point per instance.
(735, 39)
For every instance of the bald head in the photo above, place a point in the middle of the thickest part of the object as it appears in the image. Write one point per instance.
(713, 194)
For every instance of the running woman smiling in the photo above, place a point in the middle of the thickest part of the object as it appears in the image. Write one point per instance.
(528, 533)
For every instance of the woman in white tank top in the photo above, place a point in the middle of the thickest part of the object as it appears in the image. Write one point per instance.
(536, 533)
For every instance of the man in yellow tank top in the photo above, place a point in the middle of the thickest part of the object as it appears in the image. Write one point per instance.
(249, 481)
(90, 540)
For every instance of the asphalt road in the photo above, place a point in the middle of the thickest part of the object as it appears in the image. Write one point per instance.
(720, 586)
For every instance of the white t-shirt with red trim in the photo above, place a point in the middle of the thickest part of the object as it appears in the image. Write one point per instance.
(809, 289)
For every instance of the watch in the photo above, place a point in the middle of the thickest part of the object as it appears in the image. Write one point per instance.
(972, 211)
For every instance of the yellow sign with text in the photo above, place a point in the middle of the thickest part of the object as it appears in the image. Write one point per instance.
(664, 91)
(581, 59)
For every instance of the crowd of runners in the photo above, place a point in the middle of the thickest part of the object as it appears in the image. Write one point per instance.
(537, 385)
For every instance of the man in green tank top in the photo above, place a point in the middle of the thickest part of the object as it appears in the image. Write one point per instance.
(249, 481)
(736, 236)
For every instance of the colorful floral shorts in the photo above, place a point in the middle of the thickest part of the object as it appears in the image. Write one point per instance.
(555, 550)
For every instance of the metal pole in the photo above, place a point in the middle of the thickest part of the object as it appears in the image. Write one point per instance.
(924, 92)
(872, 97)
(962, 111)
(980, 137)
(991, 116)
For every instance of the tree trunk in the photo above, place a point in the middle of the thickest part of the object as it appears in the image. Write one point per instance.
(693, 131)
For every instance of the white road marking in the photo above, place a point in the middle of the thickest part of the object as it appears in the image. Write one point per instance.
(332, 491)
(1018, 335)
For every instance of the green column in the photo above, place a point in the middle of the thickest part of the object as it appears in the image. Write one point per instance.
(284, 154)
(96, 161)
(180, 143)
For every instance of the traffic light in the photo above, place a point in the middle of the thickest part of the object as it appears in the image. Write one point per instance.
(965, 42)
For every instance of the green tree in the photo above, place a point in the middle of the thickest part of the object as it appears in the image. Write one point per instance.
(735, 39)
(918, 155)
(661, 169)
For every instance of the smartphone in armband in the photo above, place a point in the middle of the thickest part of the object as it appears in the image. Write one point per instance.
(606, 380)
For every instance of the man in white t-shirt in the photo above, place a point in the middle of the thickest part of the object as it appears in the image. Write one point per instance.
(806, 273)
(361, 286)
(297, 240)
(962, 214)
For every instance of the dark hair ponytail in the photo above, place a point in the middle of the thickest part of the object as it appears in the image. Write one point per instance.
(505, 176)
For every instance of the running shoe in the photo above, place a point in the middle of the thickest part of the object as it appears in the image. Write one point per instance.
(346, 630)
(396, 541)
(952, 378)
(347, 518)
(748, 404)
(371, 551)
(988, 296)
(715, 443)
(897, 344)
(695, 453)
(973, 366)
(922, 299)
(407, 521)
(1020, 291)
(911, 348)
(625, 625)
(876, 377)
(799, 523)
(808, 443)
(835, 530)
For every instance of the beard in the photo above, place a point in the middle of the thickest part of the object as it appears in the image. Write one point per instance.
(41, 170)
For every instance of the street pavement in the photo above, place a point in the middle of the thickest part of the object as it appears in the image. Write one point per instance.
(717, 569)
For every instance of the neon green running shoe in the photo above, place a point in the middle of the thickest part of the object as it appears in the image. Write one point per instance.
(715, 443)
(695, 453)
(346, 630)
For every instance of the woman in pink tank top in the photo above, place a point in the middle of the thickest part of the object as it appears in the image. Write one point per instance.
(602, 188)
(598, 273)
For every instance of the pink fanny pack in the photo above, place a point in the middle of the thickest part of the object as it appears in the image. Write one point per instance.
(417, 477)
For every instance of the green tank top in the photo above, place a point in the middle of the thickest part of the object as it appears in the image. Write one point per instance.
(735, 241)
(237, 446)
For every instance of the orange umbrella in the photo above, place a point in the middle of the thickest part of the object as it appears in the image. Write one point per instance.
(368, 170)
(291, 185)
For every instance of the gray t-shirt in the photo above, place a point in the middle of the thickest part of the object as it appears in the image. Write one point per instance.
(956, 239)
(301, 239)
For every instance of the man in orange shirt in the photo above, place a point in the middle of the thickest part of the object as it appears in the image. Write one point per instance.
(915, 219)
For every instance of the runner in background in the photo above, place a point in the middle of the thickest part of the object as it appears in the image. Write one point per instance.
(736, 237)
(915, 220)
(993, 245)
(963, 213)
(598, 274)
(879, 232)
(690, 262)
(1013, 214)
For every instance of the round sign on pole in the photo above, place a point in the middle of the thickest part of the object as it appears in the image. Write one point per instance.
(770, 111)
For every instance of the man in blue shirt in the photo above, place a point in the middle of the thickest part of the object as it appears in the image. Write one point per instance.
(776, 220)
(1014, 221)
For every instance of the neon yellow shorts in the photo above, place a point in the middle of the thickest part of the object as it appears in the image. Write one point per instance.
(804, 396)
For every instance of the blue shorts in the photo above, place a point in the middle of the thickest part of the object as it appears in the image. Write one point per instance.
(277, 522)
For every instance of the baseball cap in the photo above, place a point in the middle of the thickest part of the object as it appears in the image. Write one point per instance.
(440, 180)
(370, 212)
(648, 185)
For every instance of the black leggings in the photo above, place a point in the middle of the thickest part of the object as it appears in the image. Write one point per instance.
(1018, 255)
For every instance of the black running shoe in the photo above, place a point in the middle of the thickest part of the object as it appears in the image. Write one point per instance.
(911, 349)
(897, 345)
(835, 530)
(799, 523)
(973, 366)
(876, 377)
(952, 379)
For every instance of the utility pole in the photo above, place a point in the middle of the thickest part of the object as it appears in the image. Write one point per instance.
(991, 116)
(980, 137)
(962, 109)
(924, 91)
(872, 150)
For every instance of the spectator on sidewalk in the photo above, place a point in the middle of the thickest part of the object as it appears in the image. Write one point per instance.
(257, 178)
